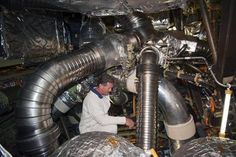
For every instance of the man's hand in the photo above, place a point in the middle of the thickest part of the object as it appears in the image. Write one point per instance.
(130, 123)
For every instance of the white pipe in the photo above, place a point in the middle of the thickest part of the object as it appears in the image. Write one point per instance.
(131, 82)
(228, 93)
(181, 131)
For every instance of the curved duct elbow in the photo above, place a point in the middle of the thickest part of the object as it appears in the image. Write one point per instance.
(140, 24)
(172, 103)
(37, 133)
(178, 121)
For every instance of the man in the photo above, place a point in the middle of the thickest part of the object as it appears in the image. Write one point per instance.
(95, 109)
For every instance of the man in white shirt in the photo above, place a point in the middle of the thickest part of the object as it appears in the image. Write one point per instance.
(95, 109)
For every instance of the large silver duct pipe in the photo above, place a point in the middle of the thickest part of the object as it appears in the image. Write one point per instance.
(141, 25)
(172, 103)
(147, 72)
(37, 133)
(178, 121)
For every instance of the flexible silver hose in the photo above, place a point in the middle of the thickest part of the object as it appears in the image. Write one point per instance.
(37, 134)
(176, 116)
(147, 99)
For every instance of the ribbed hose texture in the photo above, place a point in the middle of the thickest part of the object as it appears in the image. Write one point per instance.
(37, 133)
(141, 24)
(147, 100)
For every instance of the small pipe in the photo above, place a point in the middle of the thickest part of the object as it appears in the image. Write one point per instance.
(208, 67)
(153, 153)
(134, 105)
(210, 36)
(196, 78)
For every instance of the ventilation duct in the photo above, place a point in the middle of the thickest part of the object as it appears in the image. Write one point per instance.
(37, 134)
(147, 72)
(178, 121)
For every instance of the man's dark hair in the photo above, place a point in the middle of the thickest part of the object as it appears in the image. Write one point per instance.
(104, 78)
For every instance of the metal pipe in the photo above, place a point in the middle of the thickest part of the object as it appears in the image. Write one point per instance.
(178, 121)
(37, 133)
(142, 25)
(208, 67)
(147, 72)
(210, 35)
(172, 104)
(148, 76)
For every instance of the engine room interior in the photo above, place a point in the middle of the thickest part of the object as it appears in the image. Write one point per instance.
(173, 62)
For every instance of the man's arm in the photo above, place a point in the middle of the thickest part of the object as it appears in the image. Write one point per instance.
(108, 120)
(98, 114)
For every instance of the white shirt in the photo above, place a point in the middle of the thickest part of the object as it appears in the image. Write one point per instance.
(95, 115)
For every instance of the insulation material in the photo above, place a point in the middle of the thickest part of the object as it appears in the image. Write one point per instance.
(115, 7)
(27, 35)
(208, 147)
(101, 144)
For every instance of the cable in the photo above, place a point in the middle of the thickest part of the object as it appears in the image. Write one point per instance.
(209, 68)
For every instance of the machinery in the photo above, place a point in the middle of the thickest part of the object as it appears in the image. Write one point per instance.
(171, 75)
